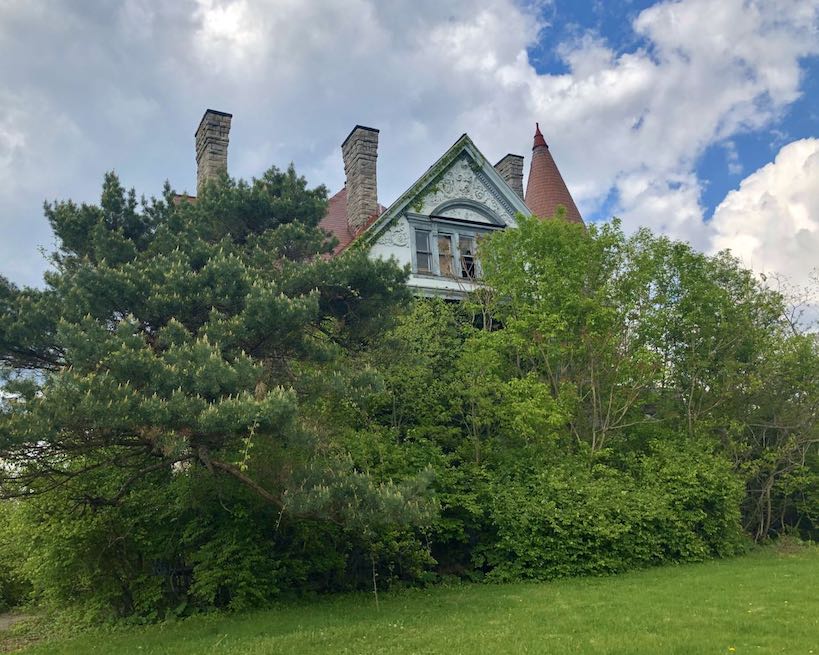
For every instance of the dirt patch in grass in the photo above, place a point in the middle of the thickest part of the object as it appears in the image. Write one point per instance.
(8, 619)
(12, 640)
(787, 545)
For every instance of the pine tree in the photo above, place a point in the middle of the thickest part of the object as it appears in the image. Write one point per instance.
(171, 334)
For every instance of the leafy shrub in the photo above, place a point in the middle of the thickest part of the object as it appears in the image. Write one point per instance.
(14, 587)
(184, 547)
(569, 519)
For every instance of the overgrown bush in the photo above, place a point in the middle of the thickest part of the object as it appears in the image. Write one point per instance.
(188, 546)
(14, 587)
(564, 518)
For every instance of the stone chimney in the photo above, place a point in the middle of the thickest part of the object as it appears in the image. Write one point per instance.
(360, 151)
(211, 146)
(510, 169)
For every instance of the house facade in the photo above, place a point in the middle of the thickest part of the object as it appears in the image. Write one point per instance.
(435, 225)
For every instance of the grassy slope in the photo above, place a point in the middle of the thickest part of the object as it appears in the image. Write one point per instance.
(767, 602)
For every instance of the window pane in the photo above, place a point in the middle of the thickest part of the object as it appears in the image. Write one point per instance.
(445, 260)
(423, 254)
(466, 244)
(422, 240)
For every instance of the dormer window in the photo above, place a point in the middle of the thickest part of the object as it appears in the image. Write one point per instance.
(446, 247)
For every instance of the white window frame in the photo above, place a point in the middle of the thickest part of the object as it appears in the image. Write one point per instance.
(436, 227)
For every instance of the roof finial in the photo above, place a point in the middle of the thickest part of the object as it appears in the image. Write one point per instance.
(539, 140)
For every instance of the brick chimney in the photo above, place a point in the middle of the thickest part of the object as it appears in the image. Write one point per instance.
(211, 146)
(511, 170)
(360, 152)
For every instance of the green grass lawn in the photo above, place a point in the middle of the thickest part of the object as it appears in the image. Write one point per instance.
(767, 602)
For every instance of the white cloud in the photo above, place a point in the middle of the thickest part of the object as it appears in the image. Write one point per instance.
(771, 222)
(123, 86)
(708, 71)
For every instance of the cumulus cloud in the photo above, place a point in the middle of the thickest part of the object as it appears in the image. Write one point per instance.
(707, 71)
(95, 86)
(771, 222)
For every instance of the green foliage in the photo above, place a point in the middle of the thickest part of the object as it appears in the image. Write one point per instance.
(96, 562)
(14, 586)
(592, 414)
(172, 348)
(563, 519)
(641, 337)
(206, 411)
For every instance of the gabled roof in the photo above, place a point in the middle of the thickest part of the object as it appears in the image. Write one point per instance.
(463, 145)
(545, 189)
(335, 220)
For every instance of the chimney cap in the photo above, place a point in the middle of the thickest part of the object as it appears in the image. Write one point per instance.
(358, 127)
(507, 156)
(211, 111)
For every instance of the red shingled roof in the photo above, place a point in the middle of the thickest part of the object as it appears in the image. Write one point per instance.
(545, 189)
(335, 221)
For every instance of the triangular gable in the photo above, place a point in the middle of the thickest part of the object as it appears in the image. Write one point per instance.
(462, 180)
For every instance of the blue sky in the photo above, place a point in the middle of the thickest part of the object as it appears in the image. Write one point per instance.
(695, 118)
(568, 20)
(754, 149)
(723, 164)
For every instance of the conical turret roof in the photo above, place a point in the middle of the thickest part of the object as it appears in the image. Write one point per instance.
(545, 189)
